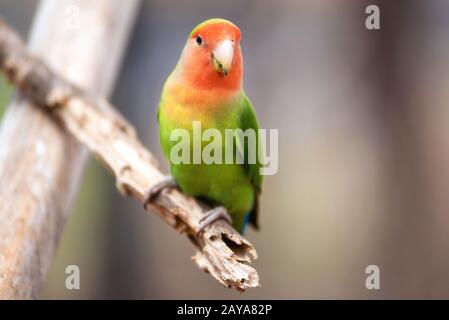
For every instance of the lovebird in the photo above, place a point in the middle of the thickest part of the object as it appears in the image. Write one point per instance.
(206, 86)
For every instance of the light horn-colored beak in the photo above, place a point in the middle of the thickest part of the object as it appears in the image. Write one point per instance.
(222, 56)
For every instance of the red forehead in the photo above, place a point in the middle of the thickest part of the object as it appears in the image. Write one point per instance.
(218, 31)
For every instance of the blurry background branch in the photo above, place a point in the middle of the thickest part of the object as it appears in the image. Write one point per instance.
(41, 164)
(222, 251)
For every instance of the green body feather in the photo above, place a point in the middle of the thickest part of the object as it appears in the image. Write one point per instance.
(235, 186)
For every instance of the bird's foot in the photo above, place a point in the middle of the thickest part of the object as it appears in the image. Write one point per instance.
(213, 215)
(166, 182)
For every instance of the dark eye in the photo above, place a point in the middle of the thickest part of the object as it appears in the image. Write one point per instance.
(199, 40)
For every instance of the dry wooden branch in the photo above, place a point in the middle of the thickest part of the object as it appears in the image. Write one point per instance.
(222, 251)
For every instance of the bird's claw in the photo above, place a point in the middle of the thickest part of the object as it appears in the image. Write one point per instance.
(213, 215)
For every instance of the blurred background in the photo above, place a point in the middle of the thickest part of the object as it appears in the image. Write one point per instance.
(363, 154)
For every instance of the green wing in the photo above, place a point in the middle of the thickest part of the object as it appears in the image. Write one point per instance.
(248, 120)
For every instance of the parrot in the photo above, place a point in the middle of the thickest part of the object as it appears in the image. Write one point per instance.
(206, 86)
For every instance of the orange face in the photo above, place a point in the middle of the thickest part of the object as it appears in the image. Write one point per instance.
(212, 58)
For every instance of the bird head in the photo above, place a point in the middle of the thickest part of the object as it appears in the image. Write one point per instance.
(212, 56)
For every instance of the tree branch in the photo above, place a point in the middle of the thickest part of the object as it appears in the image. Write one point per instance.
(41, 164)
(222, 252)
